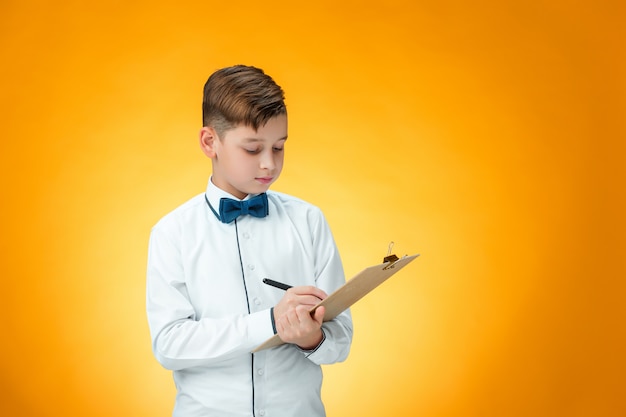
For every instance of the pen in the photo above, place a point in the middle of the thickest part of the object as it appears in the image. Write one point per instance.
(276, 284)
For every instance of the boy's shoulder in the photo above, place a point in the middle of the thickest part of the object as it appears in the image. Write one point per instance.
(298, 210)
(187, 209)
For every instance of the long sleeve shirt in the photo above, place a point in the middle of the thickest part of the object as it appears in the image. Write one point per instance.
(208, 307)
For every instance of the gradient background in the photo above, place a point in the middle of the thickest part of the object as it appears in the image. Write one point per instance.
(488, 136)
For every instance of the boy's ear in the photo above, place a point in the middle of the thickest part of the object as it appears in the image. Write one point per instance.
(208, 138)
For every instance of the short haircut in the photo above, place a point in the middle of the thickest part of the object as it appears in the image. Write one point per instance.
(241, 95)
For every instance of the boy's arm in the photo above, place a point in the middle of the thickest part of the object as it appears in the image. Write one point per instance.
(329, 274)
(179, 339)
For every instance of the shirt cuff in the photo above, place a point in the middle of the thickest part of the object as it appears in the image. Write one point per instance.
(272, 318)
(259, 328)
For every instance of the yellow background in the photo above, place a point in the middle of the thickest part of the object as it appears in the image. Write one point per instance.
(488, 136)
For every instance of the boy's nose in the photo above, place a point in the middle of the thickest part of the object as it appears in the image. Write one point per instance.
(267, 161)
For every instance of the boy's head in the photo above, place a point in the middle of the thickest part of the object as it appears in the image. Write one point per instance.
(244, 129)
(241, 95)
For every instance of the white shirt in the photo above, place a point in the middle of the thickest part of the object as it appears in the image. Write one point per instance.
(208, 307)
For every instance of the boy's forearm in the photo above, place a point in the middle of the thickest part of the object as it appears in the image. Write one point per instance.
(189, 343)
(337, 341)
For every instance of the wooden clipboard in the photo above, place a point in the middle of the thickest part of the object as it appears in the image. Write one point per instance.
(351, 292)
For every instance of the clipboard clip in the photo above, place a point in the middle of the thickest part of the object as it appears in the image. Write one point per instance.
(390, 258)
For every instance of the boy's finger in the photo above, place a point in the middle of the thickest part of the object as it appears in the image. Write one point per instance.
(318, 315)
(309, 290)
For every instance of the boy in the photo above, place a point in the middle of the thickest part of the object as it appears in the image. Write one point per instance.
(207, 305)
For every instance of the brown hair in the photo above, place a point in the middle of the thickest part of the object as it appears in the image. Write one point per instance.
(241, 95)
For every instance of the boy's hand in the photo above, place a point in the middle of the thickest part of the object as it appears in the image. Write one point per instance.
(294, 322)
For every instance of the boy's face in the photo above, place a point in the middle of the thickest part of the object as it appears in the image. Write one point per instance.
(246, 161)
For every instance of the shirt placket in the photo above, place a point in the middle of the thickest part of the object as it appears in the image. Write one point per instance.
(257, 302)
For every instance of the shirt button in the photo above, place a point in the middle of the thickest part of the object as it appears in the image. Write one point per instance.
(260, 371)
(257, 301)
(262, 412)
(246, 235)
(251, 267)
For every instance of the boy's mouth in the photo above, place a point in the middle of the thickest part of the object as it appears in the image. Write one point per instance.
(265, 180)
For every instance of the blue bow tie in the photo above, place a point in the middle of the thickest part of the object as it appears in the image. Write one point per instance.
(231, 209)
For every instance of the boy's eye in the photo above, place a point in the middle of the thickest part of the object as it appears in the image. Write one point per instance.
(252, 151)
(279, 149)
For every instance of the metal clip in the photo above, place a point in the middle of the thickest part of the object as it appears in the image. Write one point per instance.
(391, 258)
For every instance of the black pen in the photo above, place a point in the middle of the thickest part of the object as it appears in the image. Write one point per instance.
(276, 284)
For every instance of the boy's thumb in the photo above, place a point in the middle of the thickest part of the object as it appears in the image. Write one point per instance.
(318, 316)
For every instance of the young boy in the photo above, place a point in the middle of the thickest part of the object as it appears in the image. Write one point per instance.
(207, 305)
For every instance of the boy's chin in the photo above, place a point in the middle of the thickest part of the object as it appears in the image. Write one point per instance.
(260, 190)
(261, 187)
(256, 189)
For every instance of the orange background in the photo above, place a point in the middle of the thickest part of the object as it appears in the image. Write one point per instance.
(488, 137)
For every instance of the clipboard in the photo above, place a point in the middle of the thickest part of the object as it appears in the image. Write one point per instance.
(352, 291)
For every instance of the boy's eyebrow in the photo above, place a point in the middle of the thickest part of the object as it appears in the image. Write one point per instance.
(249, 140)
